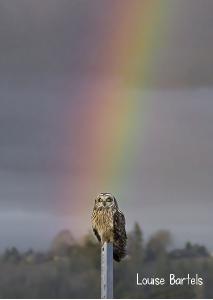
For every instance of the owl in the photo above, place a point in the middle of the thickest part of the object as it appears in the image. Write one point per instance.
(108, 224)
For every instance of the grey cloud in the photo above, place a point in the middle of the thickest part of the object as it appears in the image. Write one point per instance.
(55, 39)
(48, 51)
(43, 40)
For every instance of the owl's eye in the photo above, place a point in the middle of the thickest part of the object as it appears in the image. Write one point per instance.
(109, 200)
(99, 199)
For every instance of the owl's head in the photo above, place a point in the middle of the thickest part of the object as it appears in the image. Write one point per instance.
(105, 200)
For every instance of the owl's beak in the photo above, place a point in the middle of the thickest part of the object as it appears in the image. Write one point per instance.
(104, 203)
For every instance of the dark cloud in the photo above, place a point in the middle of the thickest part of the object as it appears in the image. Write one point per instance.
(47, 40)
(183, 53)
(64, 39)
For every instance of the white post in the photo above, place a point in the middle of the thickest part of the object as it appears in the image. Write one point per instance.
(107, 271)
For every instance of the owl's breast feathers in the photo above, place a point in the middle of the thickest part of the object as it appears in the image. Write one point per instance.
(102, 223)
(109, 226)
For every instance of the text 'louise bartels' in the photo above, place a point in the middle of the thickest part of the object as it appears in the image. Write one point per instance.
(173, 280)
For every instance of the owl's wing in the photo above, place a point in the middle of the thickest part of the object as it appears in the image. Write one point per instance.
(120, 237)
(119, 225)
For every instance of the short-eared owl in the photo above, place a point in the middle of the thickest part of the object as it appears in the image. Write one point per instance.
(108, 224)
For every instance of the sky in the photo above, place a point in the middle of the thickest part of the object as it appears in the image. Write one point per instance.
(50, 51)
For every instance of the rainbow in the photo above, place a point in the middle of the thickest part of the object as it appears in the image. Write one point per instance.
(112, 104)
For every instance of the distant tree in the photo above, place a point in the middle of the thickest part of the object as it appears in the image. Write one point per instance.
(203, 251)
(158, 244)
(92, 249)
(29, 256)
(11, 255)
(188, 246)
(189, 251)
(195, 250)
(62, 243)
(136, 244)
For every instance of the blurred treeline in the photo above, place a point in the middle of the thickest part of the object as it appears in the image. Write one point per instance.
(72, 270)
